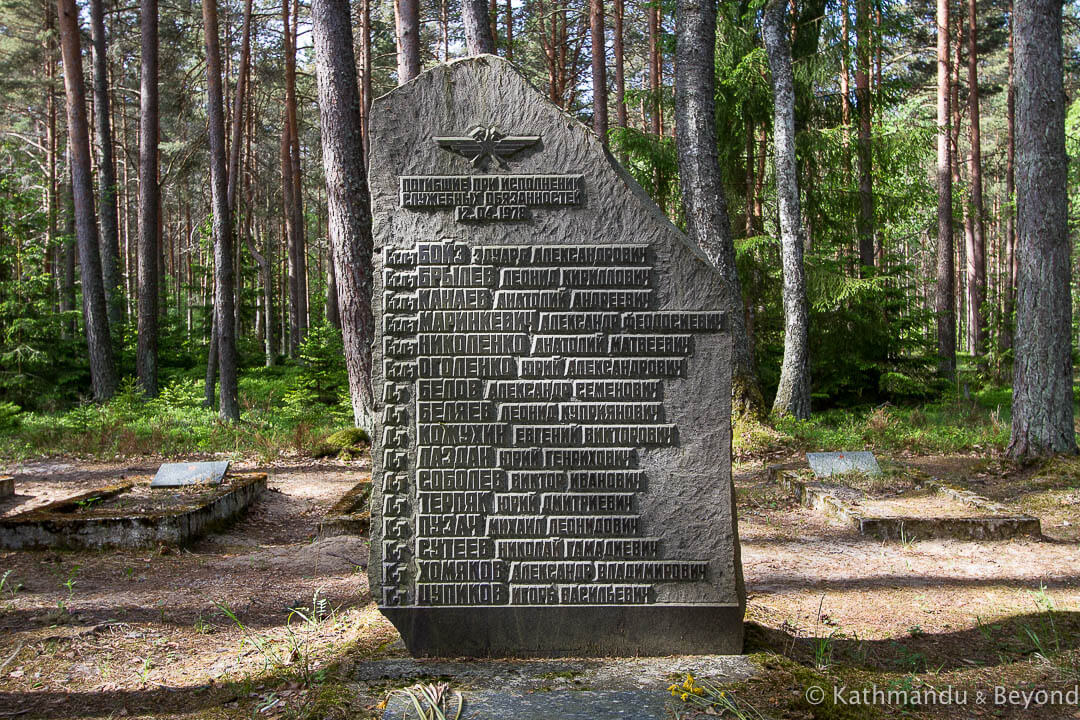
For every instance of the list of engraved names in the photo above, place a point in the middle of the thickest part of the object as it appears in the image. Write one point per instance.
(521, 385)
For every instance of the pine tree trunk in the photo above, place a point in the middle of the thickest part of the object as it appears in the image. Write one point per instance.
(268, 298)
(509, 13)
(290, 246)
(225, 332)
(707, 220)
(365, 70)
(620, 69)
(110, 244)
(977, 257)
(67, 256)
(299, 230)
(599, 69)
(1042, 409)
(347, 196)
(865, 225)
(793, 392)
(407, 15)
(146, 357)
(238, 108)
(333, 307)
(751, 141)
(478, 36)
(99, 345)
(945, 295)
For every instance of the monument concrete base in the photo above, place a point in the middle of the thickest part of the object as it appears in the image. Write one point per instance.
(590, 689)
(570, 631)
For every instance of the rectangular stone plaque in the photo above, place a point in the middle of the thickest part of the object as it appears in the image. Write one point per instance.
(552, 366)
(825, 464)
(183, 474)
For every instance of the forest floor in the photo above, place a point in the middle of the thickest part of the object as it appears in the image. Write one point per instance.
(267, 620)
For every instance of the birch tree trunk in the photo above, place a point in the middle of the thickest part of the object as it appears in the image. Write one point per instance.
(707, 220)
(98, 342)
(945, 286)
(348, 204)
(656, 107)
(793, 393)
(1042, 408)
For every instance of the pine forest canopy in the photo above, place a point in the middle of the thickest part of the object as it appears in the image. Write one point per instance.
(911, 249)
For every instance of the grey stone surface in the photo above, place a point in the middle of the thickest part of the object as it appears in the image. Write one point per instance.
(597, 689)
(55, 526)
(552, 456)
(7, 486)
(190, 473)
(522, 676)
(558, 704)
(825, 464)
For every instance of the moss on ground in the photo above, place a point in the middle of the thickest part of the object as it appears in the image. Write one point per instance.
(343, 443)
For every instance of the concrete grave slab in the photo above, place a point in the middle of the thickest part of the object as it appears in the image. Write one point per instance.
(552, 455)
(194, 473)
(825, 464)
(96, 519)
(349, 515)
(592, 689)
(970, 517)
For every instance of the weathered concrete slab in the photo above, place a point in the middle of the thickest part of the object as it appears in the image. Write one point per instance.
(838, 502)
(349, 515)
(552, 457)
(67, 524)
(593, 689)
(825, 464)
(184, 474)
(561, 704)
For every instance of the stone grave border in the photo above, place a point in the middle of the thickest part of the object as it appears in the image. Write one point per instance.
(56, 526)
(350, 514)
(1002, 525)
(7, 486)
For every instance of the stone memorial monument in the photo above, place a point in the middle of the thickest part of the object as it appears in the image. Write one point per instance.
(552, 462)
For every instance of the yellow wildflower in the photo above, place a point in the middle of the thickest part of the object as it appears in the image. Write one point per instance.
(684, 696)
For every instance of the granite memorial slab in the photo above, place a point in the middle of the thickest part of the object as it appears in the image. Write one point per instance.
(825, 464)
(194, 473)
(552, 366)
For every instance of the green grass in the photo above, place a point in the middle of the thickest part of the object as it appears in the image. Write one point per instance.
(278, 417)
(948, 425)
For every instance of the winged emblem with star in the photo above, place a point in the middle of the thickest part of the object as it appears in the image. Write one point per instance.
(487, 143)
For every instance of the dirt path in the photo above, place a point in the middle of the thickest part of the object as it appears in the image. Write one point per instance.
(146, 633)
(135, 627)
